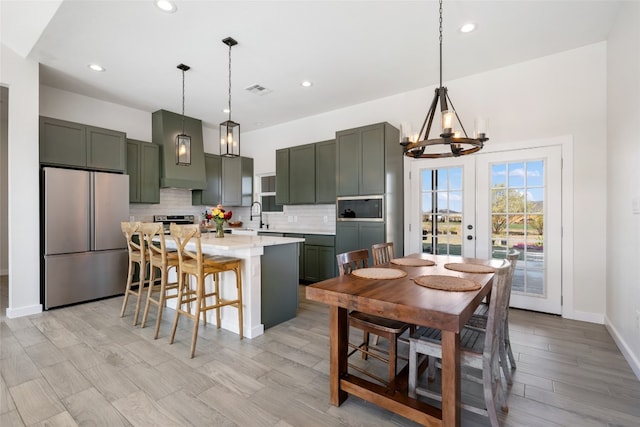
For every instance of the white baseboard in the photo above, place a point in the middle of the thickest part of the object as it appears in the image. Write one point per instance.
(12, 313)
(585, 316)
(632, 359)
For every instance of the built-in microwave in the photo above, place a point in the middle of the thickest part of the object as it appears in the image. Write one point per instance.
(360, 208)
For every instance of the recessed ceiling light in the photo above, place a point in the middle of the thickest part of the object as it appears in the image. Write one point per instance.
(306, 83)
(467, 28)
(166, 6)
(97, 67)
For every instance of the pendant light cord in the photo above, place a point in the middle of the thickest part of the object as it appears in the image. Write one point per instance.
(440, 43)
(230, 82)
(183, 101)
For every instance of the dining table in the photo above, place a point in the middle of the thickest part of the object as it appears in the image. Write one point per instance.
(404, 299)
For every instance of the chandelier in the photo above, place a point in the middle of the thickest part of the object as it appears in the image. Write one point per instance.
(229, 130)
(459, 142)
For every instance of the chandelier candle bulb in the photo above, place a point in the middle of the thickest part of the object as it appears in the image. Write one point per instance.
(447, 121)
(481, 127)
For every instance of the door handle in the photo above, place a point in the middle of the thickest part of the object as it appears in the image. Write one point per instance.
(469, 237)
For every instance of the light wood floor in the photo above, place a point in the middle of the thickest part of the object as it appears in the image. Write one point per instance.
(84, 365)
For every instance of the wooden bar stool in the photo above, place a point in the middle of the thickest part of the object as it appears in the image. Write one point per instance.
(193, 263)
(162, 260)
(137, 255)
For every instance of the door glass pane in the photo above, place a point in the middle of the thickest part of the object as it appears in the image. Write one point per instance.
(441, 210)
(517, 221)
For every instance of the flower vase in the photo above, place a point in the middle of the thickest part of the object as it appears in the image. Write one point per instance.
(219, 230)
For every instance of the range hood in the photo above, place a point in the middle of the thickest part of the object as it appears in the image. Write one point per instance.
(165, 126)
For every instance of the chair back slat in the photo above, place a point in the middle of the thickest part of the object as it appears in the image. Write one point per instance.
(382, 253)
(349, 261)
(495, 314)
(182, 234)
(136, 247)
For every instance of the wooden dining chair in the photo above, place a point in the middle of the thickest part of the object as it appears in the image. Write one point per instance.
(161, 261)
(137, 257)
(371, 324)
(480, 317)
(478, 349)
(382, 253)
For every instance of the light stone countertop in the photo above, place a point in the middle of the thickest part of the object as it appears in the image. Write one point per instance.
(288, 231)
(232, 242)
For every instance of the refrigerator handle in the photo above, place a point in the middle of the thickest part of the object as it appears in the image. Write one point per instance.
(92, 211)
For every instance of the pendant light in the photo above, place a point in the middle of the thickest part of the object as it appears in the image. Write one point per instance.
(457, 139)
(183, 141)
(229, 130)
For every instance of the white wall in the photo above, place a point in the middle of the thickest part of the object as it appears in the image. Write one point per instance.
(60, 104)
(623, 183)
(4, 187)
(562, 94)
(21, 76)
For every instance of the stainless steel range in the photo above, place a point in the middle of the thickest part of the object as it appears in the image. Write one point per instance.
(166, 220)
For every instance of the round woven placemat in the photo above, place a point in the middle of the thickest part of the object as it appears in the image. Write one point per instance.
(379, 273)
(447, 283)
(470, 268)
(413, 262)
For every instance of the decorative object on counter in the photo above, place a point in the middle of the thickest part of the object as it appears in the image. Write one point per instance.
(235, 224)
(229, 130)
(183, 141)
(457, 140)
(218, 215)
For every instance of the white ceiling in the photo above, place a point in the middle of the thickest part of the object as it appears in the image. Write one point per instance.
(353, 51)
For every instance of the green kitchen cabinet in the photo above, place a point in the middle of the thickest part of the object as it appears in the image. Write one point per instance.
(237, 181)
(143, 167)
(212, 195)
(282, 176)
(319, 257)
(64, 143)
(302, 174)
(354, 235)
(361, 157)
(326, 172)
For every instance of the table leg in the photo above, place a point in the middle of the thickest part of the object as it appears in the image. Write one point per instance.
(451, 394)
(338, 336)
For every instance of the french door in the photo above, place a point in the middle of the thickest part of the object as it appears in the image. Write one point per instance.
(485, 204)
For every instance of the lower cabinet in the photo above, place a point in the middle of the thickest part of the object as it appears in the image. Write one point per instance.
(354, 235)
(301, 249)
(319, 257)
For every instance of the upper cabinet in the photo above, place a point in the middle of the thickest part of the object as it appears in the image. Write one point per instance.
(213, 194)
(305, 174)
(302, 175)
(237, 181)
(282, 176)
(65, 143)
(364, 158)
(143, 167)
(165, 127)
(326, 172)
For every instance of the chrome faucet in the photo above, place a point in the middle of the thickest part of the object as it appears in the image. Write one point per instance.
(252, 215)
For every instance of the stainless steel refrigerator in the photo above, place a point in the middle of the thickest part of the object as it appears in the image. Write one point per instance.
(84, 255)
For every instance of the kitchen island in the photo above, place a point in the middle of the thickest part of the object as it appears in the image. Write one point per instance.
(269, 292)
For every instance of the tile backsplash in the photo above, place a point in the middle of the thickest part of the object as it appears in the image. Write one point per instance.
(294, 218)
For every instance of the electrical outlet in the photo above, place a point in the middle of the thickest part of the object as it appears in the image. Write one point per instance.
(325, 219)
(240, 218)
(289, 218)
(295, 218)
(638, 319)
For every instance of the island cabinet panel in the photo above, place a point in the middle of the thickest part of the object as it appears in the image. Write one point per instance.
(351, 236)
(279, 284)
(106, 149)
(143, 167)
(282, 176)
(302, 174)
(237, 181)
(64, 143)
(212, 195)
(301, 252)
(326, 172)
